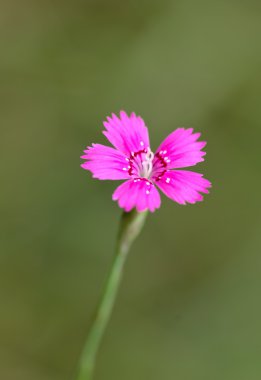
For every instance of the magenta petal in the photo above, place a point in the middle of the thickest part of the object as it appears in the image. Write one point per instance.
(181, 149)
(183, 186)
(137, 193)
(127, 133)
(105, 162)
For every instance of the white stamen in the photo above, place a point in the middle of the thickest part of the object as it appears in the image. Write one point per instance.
(124, 169)
(168, 180)
(147, 164)
(147, 191)
(142, 143)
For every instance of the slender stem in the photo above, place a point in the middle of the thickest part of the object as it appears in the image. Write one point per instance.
(130, 227)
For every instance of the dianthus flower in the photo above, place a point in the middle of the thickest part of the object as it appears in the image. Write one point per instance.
(132, 160)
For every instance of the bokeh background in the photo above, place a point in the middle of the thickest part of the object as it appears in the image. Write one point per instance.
(189, 305)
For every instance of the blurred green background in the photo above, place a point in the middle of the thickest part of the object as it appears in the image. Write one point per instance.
(189, 305)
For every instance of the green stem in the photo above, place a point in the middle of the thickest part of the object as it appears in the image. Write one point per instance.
(130, 227)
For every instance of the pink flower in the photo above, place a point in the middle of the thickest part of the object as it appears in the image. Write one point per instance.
(132, 160)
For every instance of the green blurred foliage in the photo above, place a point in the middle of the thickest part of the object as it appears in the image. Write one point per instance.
(189, 306)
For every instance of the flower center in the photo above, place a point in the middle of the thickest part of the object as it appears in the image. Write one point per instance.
(146, 164)
(140, 163)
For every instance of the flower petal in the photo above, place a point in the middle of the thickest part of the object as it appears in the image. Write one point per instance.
(127, 133)
(180, 149)
(183, 186)
(105, 162)
(137, 193)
